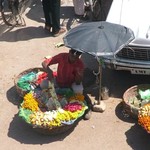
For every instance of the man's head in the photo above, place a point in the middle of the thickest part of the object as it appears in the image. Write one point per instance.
(75, 52)
(74, 55)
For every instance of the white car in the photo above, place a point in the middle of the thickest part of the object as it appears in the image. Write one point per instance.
(135, 57)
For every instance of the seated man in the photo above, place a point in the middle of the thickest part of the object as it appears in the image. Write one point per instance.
(69, 72)
(70, 68)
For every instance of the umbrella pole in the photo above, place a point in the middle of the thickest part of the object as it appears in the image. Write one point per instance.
(100, 81)
(100, 106)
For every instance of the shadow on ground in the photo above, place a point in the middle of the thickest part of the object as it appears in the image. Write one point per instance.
(24, 133)
(119, 111)
(24, 34)
(13, 96)
(137, 138)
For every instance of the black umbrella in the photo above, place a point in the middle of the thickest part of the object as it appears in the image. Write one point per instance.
(98, 39)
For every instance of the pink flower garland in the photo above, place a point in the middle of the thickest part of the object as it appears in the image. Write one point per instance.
(72, 107)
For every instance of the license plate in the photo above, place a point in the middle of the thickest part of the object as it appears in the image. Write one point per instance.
(140, 71)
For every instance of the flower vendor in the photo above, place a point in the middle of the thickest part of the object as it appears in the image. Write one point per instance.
(70, 68)
(69, 71)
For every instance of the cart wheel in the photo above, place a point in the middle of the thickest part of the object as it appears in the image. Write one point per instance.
(12, 10)
(6, 13)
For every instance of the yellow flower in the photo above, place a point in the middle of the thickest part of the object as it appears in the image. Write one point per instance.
(30, 102)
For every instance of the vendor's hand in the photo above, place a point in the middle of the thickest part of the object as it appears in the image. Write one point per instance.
(78, 77)
(48, 71)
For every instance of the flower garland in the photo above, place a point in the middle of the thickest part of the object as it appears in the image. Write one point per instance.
(44, 108)
(55, 118)
(142, 98)
(72, 107)
(144, 117)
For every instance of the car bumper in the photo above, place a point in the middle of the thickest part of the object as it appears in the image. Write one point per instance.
(134, 68)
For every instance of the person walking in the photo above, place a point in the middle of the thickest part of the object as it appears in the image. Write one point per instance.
(51, 9)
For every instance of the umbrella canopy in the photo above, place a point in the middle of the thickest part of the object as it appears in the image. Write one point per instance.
(98, 38)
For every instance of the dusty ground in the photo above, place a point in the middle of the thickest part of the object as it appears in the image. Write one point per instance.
(25, 47)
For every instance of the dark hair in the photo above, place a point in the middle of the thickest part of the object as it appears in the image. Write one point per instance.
(75, 52)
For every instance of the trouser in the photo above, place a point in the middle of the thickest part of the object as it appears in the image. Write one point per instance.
(51, 9)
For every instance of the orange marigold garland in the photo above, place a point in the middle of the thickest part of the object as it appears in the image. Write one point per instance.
(77, 96)
(144, 117)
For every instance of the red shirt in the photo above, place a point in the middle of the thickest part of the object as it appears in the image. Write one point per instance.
(66, 72)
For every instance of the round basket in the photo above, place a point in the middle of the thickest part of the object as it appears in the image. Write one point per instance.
(52, 130)
(131, 93)
(57, 130)
(20, 91)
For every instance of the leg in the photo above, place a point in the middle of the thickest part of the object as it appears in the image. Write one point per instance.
(57, 30)
(46, 9)
(56, 15)
(88, 112)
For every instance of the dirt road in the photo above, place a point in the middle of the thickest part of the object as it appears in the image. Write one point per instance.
(25, 47)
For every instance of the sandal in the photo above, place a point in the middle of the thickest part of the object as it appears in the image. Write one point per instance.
(61, 31)
(47, 28)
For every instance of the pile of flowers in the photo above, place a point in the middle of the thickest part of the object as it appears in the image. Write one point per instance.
(24, 82)
(144, 117)
(142, 98)
(49, 108)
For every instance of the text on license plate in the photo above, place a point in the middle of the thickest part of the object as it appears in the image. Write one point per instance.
(140, 71)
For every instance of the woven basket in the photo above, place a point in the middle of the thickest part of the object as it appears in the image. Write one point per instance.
(131, 93)
(53, 131)
(20, 91)
(57, 130)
